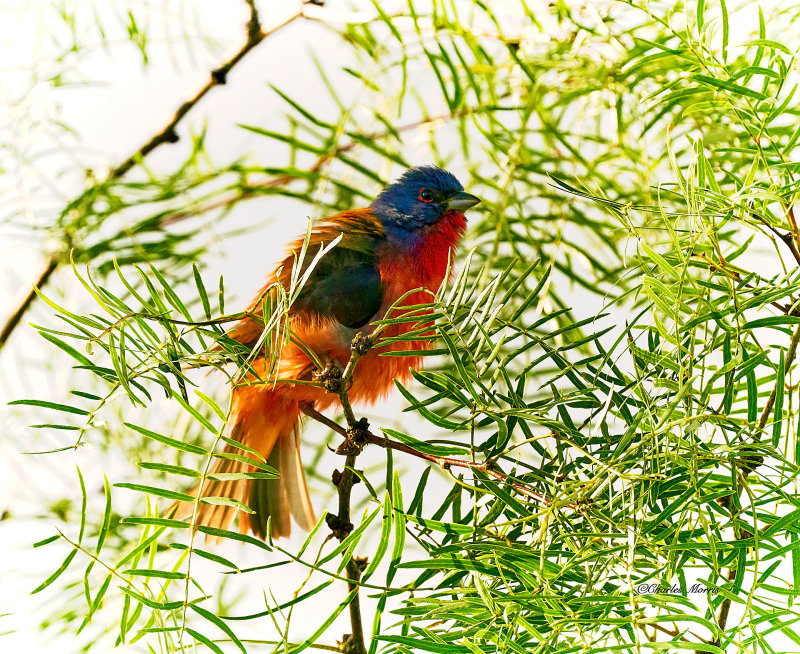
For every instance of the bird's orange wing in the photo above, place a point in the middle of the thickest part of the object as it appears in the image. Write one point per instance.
(344, 285)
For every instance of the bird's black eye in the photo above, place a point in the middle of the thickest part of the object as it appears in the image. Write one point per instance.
(426, 195)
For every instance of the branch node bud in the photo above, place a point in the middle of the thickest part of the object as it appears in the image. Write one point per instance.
(330, 377)
(357, 438)
(219, 76)
(340, 528)
(361, 344)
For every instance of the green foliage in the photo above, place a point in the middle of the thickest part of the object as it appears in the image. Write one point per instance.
(612, 396)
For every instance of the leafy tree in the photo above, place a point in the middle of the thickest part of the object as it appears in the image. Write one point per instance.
(610, 458)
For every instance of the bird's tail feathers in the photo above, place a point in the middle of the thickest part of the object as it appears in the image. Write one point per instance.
(275, 435)
(282, 498)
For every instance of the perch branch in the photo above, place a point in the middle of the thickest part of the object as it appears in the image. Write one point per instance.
(336, 379)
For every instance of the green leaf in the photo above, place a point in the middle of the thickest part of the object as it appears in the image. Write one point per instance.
(219, 624)
(205, 640)
(52, 405)
(419, 644)
(766, 43)
(80, 358)
(211, 403)
(233, 535)
(166, 440)
(169, 469)
(104, 526)
(780, 383)
(201, 289)
(383, 543)
(725, 30)
(399, 528)
(149, 603)
(61, 569)
(725, 85)
(226, 501)
(422, 446)
(210, 556)
(156, 574)
(194, 412)
(157, 522)
(158, 492)
(47, 541)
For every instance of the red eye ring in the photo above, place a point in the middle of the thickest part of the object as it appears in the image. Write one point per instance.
(425, 195)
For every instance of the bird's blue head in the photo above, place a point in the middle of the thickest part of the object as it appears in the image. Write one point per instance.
(419, 199)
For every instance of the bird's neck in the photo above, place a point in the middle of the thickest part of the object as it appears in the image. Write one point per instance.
(421, 259)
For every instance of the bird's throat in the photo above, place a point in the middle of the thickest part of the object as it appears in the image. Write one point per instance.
(423, 261)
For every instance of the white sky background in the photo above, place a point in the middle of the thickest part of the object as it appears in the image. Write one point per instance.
(113, 117)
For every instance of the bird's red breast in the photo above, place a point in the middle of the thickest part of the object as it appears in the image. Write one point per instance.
(424, 262)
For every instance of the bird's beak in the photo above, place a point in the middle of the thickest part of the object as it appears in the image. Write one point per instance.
(460, 202)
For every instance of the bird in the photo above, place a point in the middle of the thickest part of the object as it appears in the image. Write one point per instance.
(404, 240)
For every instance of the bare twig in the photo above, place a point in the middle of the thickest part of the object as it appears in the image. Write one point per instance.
(16, 316)
(788, 239)
(218, 76)
(255, 35)
(444, 462)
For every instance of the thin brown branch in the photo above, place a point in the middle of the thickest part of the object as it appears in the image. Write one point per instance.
(15, 318)
(354, 642)
(724, 610)
(337, 380)
(444, 462)
(795, 235)
(255, 35)
(787, 239)
(253, 190)
(673, 633)
(218, 77)
(725, 268)
(790, 243)
(791, 353)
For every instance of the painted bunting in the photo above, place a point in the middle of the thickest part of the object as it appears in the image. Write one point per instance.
(401, 242)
